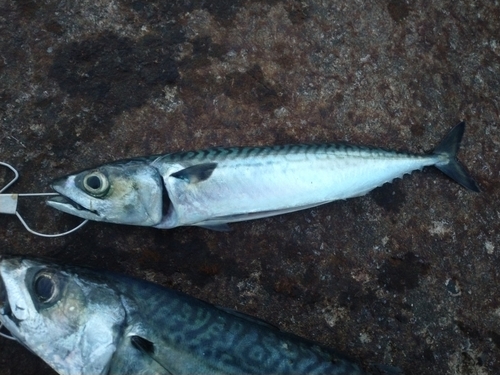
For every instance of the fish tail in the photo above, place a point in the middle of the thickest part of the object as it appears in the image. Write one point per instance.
(451, 166)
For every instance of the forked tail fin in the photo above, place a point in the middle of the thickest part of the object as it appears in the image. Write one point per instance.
(451, 166)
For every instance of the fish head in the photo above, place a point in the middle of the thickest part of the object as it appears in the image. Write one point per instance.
(126, 192)
(70, 322)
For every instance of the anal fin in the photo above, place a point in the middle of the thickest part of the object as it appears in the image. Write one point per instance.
(223, 227)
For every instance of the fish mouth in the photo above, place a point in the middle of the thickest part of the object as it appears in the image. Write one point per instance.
(65, 204)
(3, 295)
(5, 311)
(68, 205)
(8, 321)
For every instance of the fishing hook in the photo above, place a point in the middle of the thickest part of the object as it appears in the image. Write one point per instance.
(8, 205)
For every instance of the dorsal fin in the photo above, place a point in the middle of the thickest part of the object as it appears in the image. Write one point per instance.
(148, 348)
(195, 173)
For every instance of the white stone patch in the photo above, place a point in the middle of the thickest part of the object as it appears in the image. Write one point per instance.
(333, 315)
(364, 338)
(281, 112)
(439, 228)
(360, 276)
(490, 248)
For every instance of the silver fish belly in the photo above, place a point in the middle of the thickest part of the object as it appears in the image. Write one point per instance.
(213, 187)
(82, 321)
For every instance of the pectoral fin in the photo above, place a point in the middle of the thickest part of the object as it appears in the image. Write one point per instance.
(195, 173)
(147, 348)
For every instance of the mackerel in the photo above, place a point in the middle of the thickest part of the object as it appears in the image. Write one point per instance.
(213, 187)
(83, 321)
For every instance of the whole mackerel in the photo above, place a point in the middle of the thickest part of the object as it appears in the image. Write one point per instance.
(81, 321)
(213, 187)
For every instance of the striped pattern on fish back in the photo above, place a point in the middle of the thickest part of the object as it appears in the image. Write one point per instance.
(222, 342)
(227, 153)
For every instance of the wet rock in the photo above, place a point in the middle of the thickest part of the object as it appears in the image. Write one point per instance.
(406, 276)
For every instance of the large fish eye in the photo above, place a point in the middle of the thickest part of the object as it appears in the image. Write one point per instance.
(96, 183)
(46, 287)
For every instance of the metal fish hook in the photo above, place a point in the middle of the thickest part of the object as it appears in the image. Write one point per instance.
(8, 205)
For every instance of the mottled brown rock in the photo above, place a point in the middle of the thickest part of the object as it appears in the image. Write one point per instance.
(406, 276)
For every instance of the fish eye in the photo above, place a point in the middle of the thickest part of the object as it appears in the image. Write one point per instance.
(96, 184)
(46, 287)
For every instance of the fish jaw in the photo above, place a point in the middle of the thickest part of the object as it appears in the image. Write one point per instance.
(74, 335)
(15, 303)
(79, 206)
(134, 195)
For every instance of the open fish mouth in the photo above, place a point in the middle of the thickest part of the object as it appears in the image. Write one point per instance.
(6, 313)
(5, 310)
(64, 203)
(3, 296)
(69, 206)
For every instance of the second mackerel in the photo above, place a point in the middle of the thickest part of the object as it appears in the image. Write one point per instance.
(213, 187)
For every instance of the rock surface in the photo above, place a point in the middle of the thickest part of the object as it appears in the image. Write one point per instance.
(406, 276)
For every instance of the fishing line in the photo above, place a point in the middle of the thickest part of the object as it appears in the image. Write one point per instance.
(8, 205)
(16, 175)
